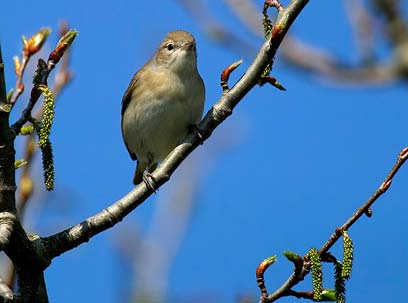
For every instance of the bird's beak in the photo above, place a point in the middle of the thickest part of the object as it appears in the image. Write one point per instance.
(190, 46)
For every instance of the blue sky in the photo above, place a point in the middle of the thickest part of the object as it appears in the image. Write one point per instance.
(280, 174)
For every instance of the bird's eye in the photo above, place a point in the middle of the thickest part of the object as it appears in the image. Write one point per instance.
(170, 46)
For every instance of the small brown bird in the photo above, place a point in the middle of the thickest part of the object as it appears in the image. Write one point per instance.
(164, 99)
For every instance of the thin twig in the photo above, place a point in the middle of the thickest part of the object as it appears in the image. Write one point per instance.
(272, 3)
(19, 69)
(226, 74)
(402, 157)
(286, 288)
(30, 47)
(44, 69)
(260, 271)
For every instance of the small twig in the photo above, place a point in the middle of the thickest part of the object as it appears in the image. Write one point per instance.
(260, 271)
(31, 46)
(44, 70)
(272, 3)
(19, 67)
(272, 81)
(302, 294)
(402, 157)
(296, 277)
(226, 74)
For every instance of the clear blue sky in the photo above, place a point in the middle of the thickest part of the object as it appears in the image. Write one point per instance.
(280, 174)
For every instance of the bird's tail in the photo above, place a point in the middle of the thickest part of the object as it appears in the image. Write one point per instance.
(140, 168)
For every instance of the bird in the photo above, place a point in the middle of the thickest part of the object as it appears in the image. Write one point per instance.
(164, 100)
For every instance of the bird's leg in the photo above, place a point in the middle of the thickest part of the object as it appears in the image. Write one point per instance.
(194, 128)
(148, 178)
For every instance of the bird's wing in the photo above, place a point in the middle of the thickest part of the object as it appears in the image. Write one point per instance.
(127, 97)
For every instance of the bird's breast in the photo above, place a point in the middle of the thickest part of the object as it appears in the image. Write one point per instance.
(158, 115)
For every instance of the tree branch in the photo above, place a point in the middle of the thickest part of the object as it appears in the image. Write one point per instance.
(7, 183)
(24, 252)
(43, 71)
(26, 184)
(3, 92)
(61, 242)
(402, 157)
(30, 47)
(298, 275)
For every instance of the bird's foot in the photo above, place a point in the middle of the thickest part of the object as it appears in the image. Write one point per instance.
(148, 179)
(198, 132)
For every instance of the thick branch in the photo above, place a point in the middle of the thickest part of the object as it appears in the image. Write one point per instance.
(3, 92)
(61, 242)
(7, 181)
(26, 185)
(13, 239)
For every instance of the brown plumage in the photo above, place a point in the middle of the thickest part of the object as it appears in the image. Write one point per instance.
(163, 99)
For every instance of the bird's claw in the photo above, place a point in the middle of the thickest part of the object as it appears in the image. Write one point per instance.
(148, 179)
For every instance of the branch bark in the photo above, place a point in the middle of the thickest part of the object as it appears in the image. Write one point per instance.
(25, 252)
(61, 242)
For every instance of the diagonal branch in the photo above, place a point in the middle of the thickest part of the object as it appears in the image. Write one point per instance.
(298, 275)
(61, 242)
(402, 157)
